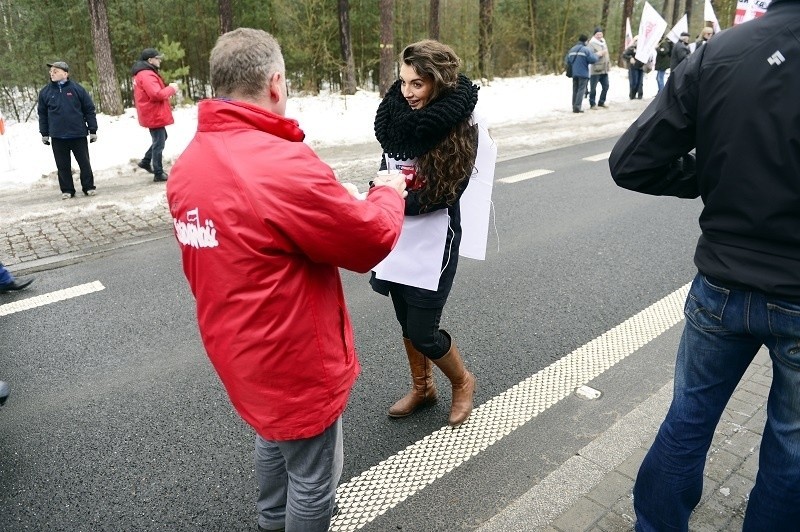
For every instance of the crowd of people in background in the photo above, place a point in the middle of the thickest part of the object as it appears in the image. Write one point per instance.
(589, 61)
(68, 122)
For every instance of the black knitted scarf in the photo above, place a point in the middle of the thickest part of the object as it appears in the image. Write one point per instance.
(405, 133)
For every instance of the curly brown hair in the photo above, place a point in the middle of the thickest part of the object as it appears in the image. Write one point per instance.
(444, 167)
(451, 161)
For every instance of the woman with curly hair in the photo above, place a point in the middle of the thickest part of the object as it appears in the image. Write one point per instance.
(426, 130)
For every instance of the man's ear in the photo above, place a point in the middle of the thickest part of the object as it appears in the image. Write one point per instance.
(276, 87)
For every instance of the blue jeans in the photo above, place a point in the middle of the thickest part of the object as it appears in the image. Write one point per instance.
(603, 80)
(153, 155)
(636, 80)
(725, 328)
(297, 481)
(660, 79)
(5, 275)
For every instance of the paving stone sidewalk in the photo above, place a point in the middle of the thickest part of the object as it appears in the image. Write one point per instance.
(591, 492)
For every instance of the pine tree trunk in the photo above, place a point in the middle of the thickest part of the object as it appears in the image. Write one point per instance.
(433, 20)
(688, 10)
(485, 39)
(533, 67)
(627, 11)
(667, 12)
(349, 77)
(387, 56)
(225, 16)
(107, 86)
(604, 16)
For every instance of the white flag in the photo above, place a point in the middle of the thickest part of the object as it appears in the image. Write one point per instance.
(750, 9)
(651, 28)
(710, 16)
(628, 32)
(682, 26)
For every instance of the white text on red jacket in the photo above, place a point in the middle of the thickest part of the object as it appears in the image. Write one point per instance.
(191, 233)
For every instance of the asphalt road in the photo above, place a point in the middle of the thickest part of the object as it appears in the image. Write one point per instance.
(117, 420)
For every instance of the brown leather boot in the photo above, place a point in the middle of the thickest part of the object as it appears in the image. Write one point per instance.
(463, 383)
(423, 389)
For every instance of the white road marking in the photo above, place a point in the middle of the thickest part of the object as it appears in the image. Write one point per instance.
(52, 297)
(387, 484)
(527, 175)
(598, 157)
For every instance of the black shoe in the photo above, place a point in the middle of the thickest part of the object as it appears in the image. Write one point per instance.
(601, 105)
(145, 166)
(160, 176)
(15, 285)
(5, 391)
(577, 110)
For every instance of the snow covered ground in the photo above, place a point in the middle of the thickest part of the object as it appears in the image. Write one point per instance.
(328, 120)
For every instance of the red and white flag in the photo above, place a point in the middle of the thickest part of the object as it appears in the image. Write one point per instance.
(682, 26)
(710, 16)
(628, 32)
(750, 9)
(651, 28)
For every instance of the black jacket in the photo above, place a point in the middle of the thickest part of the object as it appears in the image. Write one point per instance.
(663, 53)
(66, 111)
(630, 58)
(680, 50)
(732, 101)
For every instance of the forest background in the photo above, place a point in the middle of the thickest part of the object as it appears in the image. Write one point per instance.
(337, 45)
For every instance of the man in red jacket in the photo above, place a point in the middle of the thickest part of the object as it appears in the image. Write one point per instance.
(263, 226)
(151, 98)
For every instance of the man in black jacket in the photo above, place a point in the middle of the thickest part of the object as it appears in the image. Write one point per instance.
(732, 102)
(66, 116)
(680, 51)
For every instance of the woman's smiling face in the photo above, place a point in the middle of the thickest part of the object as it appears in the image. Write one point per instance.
(416, 90)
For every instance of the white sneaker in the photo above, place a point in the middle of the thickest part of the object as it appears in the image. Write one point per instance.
(66, 195)
(92, 192)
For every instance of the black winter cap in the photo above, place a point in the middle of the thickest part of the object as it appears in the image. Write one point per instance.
(150, 53)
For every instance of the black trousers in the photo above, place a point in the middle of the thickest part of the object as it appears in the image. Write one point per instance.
(62, 148)
(421, 326)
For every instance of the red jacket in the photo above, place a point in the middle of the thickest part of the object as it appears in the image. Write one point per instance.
(263, 226)
(151, 97)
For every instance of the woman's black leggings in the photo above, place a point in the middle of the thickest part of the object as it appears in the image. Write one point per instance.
(421, 326)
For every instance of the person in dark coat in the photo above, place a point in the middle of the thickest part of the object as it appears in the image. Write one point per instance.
(66, 117)
(680, 51)
(635, 71)
(663, 54)
(723, 130)
(580, 57)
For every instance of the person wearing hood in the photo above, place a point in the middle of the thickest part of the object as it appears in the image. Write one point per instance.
(599, 70)
(151, 98)
(66, 117)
